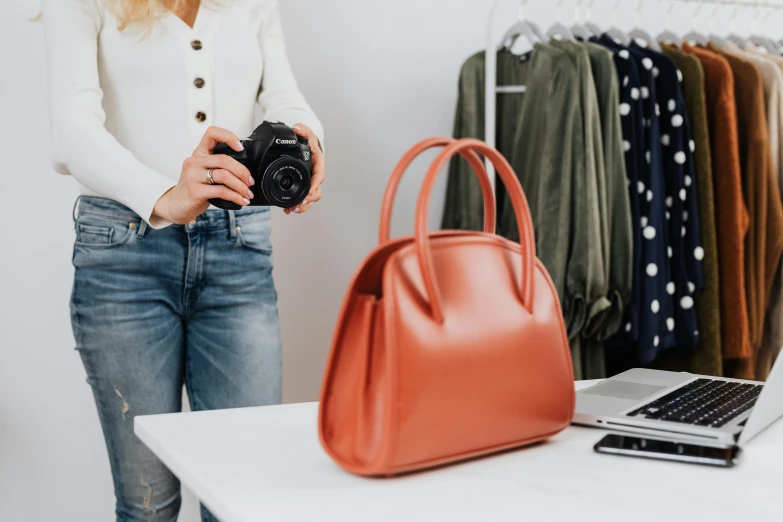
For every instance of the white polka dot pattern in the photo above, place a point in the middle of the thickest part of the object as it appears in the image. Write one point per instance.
(652, 270)
(680, 158)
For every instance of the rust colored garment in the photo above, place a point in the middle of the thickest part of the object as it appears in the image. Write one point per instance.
(731, 213)
(764, 243)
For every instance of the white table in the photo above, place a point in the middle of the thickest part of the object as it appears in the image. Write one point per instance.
(266, 464)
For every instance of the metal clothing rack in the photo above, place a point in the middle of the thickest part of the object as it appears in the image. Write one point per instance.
(491, 89)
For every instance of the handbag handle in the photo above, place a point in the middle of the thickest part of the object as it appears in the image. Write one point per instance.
(384, 234)
(521, 211)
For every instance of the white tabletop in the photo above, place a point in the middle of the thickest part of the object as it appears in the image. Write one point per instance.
(266, 464)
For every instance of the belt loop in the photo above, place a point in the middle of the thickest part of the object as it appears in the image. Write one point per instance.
(142, 230)
(232, 225)
(75, 208)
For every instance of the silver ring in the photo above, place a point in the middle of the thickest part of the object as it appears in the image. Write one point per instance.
(210, 179)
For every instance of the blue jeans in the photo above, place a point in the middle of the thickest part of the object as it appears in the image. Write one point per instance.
(153, 310)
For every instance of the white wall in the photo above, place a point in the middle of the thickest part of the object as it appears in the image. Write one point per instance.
(381, 74)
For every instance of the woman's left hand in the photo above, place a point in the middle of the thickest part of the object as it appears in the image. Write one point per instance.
(319, 170)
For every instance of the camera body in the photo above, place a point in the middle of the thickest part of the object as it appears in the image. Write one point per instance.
(281, 163)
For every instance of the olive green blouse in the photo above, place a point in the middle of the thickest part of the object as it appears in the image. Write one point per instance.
(553, 136)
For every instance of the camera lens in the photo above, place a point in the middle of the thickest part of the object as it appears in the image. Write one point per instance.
(286, 182)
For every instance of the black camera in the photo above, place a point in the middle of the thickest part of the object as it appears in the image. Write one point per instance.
(281, 163)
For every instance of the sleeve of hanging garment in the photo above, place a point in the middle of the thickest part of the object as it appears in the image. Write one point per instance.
(81, 145)
(707, 356)
(550, 162)
(620, 233)
(590, 245)
(280, 98)
(464, 207)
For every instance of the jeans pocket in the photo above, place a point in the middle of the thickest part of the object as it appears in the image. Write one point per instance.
(254, 232)
(103, 232)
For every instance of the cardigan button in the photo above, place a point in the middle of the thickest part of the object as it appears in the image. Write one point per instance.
(199, 83)
(201, 117)
(196, 45)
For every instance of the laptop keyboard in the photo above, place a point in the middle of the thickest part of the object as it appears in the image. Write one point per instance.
(703, 402)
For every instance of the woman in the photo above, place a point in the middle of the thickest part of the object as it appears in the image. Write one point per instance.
(167, 292)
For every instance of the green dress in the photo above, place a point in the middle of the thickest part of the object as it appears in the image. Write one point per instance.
(549, 135)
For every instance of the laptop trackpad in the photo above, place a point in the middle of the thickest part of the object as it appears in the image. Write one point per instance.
(623, 390)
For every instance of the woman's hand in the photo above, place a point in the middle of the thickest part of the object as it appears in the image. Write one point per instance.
(319, 170)
(190, 198)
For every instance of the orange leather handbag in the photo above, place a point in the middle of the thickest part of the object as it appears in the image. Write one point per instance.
(449, 345)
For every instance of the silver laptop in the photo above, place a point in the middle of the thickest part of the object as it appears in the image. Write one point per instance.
(683, 406)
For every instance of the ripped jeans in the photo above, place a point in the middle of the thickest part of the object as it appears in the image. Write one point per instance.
(153, 310)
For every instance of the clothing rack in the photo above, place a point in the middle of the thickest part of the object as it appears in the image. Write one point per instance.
(491, 88)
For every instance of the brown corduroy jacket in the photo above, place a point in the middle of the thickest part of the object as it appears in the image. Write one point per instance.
(731, 212)
(707, 357)
(764, 242)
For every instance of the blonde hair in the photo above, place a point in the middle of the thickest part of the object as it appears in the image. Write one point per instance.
(146, 11)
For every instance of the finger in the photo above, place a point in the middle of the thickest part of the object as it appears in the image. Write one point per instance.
(207, 192)
(305, 205)
(310, 201)
(312, 139)
(221, 161)
(224, 177)
(319, 162)
(303, 130)
(215, 135)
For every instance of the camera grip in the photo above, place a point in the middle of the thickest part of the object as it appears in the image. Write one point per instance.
(222, 148)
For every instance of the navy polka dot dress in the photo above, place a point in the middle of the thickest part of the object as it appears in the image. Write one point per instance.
(656, 305)
(682, 212)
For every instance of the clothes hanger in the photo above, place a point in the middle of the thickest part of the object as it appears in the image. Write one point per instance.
(559, 30)
(615, 32)
(733, 36)
(669, 36)
(640, 35)
(522, 27)
(714, 38)
(694, 36)
(580, 30)
(593, 28)
(758, 39)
